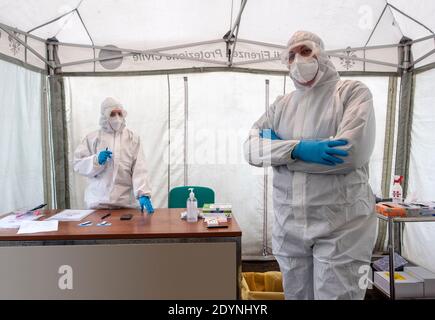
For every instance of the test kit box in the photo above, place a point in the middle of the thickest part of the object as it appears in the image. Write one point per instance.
(406, 286)
(426, 276)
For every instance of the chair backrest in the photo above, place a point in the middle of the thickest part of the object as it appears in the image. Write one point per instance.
(178, 196)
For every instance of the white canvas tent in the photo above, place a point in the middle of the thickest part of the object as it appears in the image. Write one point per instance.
(188, 68)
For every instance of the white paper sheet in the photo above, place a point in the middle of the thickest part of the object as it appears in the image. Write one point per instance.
(12, 221)
(71, 215)
(38, 226)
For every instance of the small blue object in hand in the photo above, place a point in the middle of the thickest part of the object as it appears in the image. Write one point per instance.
(103, 156)
(145, 202)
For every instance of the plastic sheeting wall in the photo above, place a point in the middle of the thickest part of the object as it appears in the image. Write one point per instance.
(379, 88)
(146, 101)
(221, 109)
(21, 171)
(419, 237)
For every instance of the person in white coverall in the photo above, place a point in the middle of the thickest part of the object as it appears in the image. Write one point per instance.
(113, 160)
(319, 140)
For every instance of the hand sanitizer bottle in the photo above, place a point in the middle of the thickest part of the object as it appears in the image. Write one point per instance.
(192, 207)
(397, 190)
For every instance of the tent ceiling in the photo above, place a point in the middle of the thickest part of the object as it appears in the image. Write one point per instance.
(145, 25)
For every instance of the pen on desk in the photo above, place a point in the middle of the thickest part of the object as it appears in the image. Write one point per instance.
(105, 216)
(39, 207)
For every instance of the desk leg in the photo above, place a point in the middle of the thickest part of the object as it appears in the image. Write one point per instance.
(391, 255)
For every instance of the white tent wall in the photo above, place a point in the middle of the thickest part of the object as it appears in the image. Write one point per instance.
(146, 101)
(379, 89)
(220, 109)
(147, 25)
(419, 237)
(21, 161)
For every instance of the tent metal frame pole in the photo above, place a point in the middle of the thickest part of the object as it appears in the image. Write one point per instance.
(387, 164)
(169, 134)
(176, 56)
(181, 46)
(388, 64)
(366, 48)
(86, 29)
(424, 56)
(411, 18)
(59, 134)
(51, 21)
(46, 144)
(264, 44)
(21, 63)
(389, 136)
(425, 68)
(24, 44)
(377, 23)
(215, 69)
(266, 181)
(22, 32)
(377, 47)
(403, 148)
(239, 16)
(423, 39)
(236, 25)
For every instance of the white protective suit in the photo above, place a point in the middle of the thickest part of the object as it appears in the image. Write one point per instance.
(325, 225)
(122, 179)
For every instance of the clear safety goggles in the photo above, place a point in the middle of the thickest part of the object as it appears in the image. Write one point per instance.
(305, 49)
(115, 112)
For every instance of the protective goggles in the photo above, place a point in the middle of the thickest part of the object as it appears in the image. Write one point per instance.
(306, 49)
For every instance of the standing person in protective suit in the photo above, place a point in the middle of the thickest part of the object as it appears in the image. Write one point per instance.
(113, 160)
(319, 140)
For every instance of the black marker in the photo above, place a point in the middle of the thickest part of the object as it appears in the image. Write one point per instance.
(105, 216)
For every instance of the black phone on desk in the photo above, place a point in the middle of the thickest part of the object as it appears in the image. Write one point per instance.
(126, 216)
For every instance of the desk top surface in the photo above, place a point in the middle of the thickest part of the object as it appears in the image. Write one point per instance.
(164, 223)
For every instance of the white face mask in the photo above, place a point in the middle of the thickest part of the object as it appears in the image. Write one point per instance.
(304, 69)
(116, 122)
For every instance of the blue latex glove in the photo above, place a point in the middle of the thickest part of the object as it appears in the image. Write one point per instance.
(269, 134)
(322, 152)
(145, 202)
(103, 156)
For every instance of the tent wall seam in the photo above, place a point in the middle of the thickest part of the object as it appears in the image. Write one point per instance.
(169, 134)
(376, 25)
(186, 129)
(87, 31)
(266, 179)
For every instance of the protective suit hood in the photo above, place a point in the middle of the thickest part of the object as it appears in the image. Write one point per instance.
(327, 73)
(107, 106)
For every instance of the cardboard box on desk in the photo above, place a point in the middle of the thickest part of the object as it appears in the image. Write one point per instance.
(406, 286)
(426, 276)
